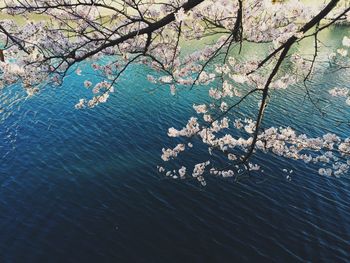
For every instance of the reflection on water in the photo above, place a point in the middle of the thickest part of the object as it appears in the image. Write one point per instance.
(81, 186)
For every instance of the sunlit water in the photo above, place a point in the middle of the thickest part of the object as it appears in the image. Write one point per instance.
(82, 186)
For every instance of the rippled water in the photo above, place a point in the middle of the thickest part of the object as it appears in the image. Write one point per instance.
(81, 186)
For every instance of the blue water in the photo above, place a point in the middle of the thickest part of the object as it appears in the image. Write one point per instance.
(82, 186)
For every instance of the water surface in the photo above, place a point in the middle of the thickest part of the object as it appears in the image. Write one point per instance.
(82, 186)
